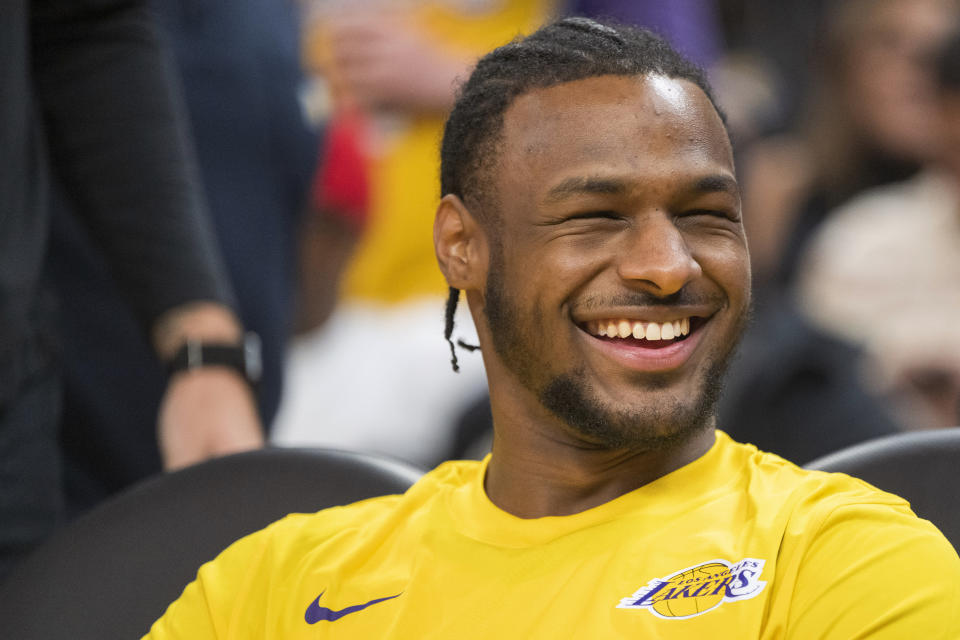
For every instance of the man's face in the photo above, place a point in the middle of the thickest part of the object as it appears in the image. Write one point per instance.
(618, 281)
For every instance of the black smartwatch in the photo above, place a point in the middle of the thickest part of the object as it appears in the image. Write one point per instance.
(243, 358)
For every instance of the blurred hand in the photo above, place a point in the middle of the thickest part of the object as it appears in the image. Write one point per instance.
(208, 411)
(205, 413)
(383, 61)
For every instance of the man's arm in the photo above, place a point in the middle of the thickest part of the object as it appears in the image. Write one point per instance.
(118, 144)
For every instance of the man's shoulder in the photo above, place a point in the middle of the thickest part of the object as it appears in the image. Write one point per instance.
(831, 523)
(309, 528)
(808, 493)
(845, 555)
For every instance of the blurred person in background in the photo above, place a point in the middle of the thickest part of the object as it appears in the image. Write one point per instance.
(240, 70)
(884, 271)
(868, 121)
(87, 100)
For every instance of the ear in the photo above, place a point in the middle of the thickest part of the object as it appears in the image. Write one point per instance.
(461, 245)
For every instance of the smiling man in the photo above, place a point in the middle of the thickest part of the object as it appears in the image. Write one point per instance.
(591, 215)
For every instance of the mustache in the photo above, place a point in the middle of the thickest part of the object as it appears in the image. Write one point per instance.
(683, 297)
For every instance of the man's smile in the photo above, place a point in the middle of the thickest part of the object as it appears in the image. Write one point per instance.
(646, 345)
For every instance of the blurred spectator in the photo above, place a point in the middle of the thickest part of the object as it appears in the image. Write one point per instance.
(796, 390)
(376, 374)
(239, 64)
(868, 123)
(86, 99)
(884, 271)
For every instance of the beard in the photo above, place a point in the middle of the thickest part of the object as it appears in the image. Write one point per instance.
(659, 427)
(571, 397)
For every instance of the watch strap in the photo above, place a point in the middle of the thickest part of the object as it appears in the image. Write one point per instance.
(243, 358)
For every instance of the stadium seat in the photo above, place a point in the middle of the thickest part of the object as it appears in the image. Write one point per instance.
(113, 571)
(921, 466)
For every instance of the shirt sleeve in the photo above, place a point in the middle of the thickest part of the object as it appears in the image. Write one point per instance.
(209, 607)
(116, 133)
(877, 572)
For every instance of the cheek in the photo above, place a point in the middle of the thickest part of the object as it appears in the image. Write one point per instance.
(548, 273)
(727, 263)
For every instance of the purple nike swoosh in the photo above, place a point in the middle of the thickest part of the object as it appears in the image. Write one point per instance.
(315, 613)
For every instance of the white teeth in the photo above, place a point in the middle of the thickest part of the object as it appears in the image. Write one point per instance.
(653, 331)
(640, 330)
(666, 331)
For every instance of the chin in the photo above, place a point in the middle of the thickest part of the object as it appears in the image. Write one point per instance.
(662, 420)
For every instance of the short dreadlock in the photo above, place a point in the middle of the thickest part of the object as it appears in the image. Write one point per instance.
(564, 51)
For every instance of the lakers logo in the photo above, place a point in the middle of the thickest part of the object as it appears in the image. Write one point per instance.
(695, 590)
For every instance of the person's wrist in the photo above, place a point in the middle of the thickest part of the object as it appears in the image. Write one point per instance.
(243, 358)
(200, 321)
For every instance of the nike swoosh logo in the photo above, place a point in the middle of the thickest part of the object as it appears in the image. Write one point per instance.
(315, 613)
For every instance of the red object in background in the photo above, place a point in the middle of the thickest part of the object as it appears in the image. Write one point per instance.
(341, 186)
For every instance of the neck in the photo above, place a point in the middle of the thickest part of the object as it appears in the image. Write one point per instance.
(539, 468)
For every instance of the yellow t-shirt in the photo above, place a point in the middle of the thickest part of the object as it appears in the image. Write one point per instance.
(738, 544)
(395, 259)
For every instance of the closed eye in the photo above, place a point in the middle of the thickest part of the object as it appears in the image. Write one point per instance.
(590, 215)
(584, 216)
(715, 213)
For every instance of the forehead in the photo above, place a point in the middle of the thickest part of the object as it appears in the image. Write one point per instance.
(639, 128)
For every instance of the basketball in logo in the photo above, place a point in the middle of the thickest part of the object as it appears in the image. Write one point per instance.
(678, 599)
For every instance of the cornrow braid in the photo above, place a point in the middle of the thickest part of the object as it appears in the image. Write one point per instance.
(453, 298)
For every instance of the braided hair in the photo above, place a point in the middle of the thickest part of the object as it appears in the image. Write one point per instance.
(563, 51)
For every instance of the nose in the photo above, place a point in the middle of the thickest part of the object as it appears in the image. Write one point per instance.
(657, 257)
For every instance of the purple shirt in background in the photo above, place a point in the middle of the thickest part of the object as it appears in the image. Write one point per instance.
(692, 26)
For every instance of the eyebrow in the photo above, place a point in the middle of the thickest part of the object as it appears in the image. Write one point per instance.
(717, 183)
(583, 185)
(611, 186)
